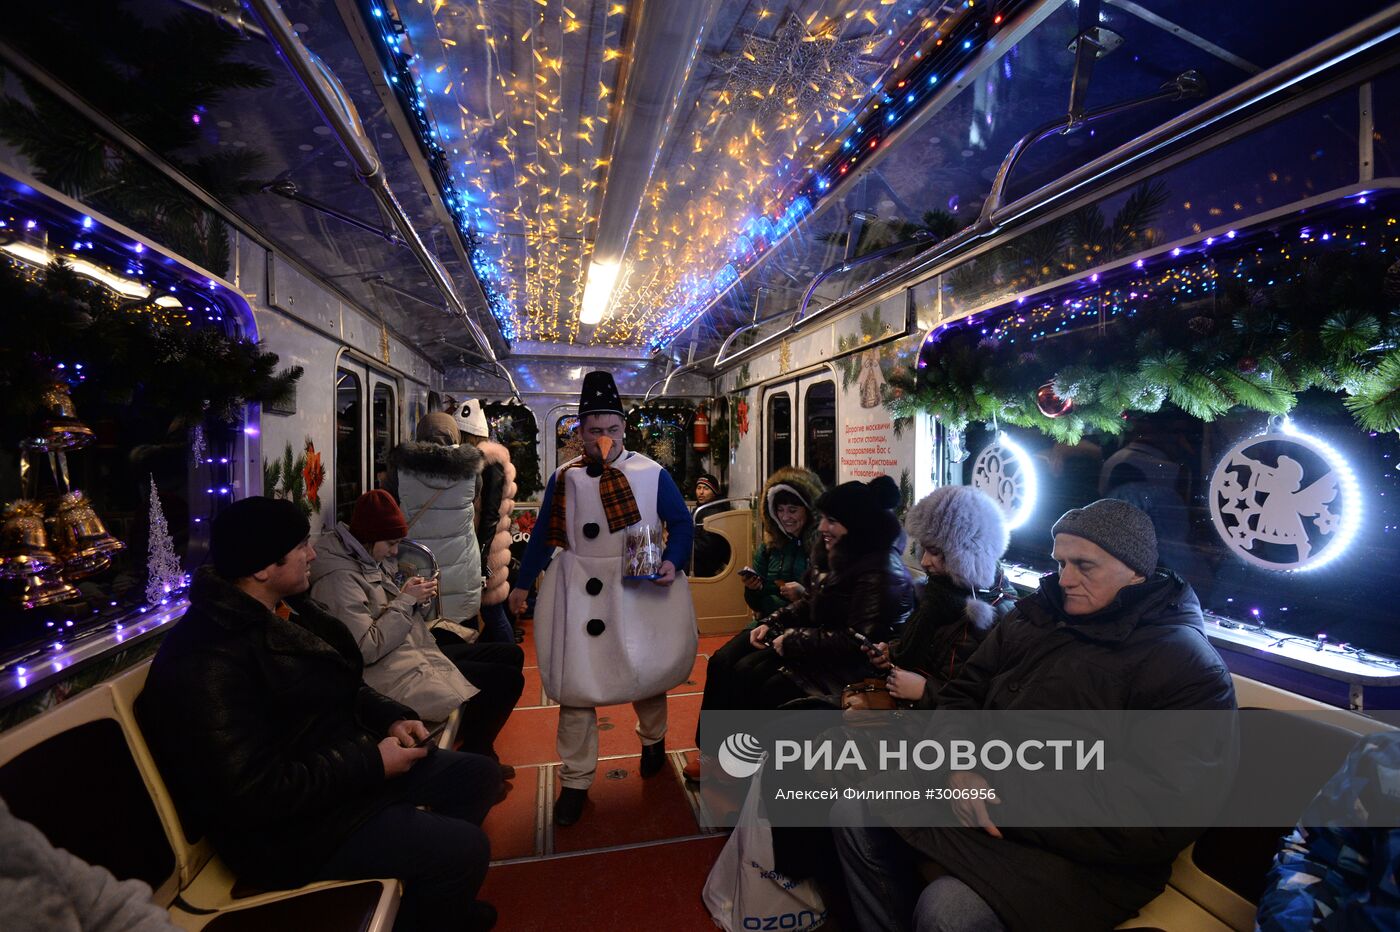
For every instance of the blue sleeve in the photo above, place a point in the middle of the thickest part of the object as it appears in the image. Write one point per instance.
(680, 526)
(537, 553)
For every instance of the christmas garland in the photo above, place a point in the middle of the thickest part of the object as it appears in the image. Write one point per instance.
(1251, 329)
(128, 352)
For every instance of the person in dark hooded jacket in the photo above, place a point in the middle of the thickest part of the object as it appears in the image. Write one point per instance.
(962, 534)
(1111, 630)
(867, 591)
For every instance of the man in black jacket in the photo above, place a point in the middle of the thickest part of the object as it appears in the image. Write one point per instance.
(1110, 630)
(273, 745)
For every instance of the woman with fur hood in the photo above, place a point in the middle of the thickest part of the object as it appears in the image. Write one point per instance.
(435, 482)
(789, 531)
(962, 533)
(789, 535)
(495, 500)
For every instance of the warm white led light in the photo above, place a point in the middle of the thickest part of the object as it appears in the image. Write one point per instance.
(597, 293)
(168, 300)
(1351, 496)
(34, 255)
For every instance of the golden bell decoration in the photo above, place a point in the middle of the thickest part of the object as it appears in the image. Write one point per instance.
(24, 543)
(25, 556)
(61, 429)
(80, 539)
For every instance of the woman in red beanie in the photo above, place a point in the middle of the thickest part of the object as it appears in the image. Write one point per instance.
(402, 659)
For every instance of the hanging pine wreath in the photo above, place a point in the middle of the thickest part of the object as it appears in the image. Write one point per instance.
(130, 352)
(1203, 336)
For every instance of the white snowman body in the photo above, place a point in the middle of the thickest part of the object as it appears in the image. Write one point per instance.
(600, 640)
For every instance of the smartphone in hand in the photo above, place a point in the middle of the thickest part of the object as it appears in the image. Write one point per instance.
(432, 736)
(749, 571)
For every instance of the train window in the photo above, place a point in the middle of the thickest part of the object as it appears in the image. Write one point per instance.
(778, 424)
(385, 432)
(1245, 509)
(567, 443)
(349, 408)
(513, 426)
(659, 429)
(819, 441)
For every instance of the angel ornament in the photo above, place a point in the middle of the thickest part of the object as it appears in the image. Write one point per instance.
(1273, 510)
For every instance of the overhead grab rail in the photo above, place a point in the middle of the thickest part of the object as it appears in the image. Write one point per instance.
(329, 97)
(1275, 82)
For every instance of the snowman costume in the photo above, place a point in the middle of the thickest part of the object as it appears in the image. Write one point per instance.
(602, 639)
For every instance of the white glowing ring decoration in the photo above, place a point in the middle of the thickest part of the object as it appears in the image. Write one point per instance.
(1006, 472)
(1348, 486)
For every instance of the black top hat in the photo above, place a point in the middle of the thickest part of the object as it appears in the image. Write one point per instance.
(599, 395)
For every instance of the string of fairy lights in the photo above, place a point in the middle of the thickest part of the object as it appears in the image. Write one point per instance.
(514, 106)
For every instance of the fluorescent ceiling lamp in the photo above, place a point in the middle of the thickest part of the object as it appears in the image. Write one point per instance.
(598, 292)
(34, 255)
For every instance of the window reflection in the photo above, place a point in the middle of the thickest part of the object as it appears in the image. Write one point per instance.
(349, 407)
(778, 424)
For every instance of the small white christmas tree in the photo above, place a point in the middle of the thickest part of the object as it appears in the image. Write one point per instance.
(162, 564)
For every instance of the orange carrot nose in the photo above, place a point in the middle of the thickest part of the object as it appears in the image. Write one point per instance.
(605, 445)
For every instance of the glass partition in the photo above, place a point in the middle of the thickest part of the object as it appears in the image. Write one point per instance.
(349, 442)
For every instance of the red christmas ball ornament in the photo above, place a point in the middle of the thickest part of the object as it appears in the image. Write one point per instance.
(1050, 404)
(1247, 365)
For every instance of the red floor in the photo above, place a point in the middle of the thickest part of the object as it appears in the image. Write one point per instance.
(636, 860)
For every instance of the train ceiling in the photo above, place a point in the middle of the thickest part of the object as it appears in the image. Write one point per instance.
(692, 147)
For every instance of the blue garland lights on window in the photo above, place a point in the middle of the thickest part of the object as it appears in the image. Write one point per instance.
(385, 31)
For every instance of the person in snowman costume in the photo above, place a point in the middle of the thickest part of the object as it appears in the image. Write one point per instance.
(602, 638)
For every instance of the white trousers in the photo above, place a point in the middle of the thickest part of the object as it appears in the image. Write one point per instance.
(578, 738)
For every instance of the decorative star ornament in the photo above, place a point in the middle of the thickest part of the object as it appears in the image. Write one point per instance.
(795, 70)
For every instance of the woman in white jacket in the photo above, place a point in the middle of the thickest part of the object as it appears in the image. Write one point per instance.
(402, 658)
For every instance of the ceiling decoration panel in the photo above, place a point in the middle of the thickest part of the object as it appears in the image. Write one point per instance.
(633, 158)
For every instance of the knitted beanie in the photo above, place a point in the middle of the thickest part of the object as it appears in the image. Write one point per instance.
(255, 533)
(1122, 530)
(377, 517)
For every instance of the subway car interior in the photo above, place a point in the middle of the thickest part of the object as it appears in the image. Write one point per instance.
(1055, 250)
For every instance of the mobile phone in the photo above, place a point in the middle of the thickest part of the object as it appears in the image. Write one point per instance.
(432, 736)
(749, 571)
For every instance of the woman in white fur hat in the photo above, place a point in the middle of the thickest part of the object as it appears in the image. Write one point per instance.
(962, 534)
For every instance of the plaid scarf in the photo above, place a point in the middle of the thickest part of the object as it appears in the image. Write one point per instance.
(618, 503)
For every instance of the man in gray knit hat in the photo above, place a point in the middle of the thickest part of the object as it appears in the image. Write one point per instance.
(1100, 549)
(1110, 630)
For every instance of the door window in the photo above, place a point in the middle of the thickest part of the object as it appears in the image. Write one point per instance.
(819, 440)
(778, 424)
(349, 408)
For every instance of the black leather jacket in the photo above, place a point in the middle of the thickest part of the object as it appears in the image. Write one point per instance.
(870, 594)
(265, 731)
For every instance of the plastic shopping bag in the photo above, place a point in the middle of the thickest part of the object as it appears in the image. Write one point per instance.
(744, 892)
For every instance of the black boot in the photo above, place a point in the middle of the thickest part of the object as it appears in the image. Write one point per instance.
(569, 806)
(653, 759)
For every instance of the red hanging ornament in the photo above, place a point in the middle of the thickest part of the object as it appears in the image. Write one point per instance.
(1247, 365)
(701, 428)
(1050, 404)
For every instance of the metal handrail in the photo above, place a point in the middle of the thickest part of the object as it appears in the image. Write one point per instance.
(1186, 84)
(1275, 81)
(415, 547)
(801, 311)
(329, 97)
